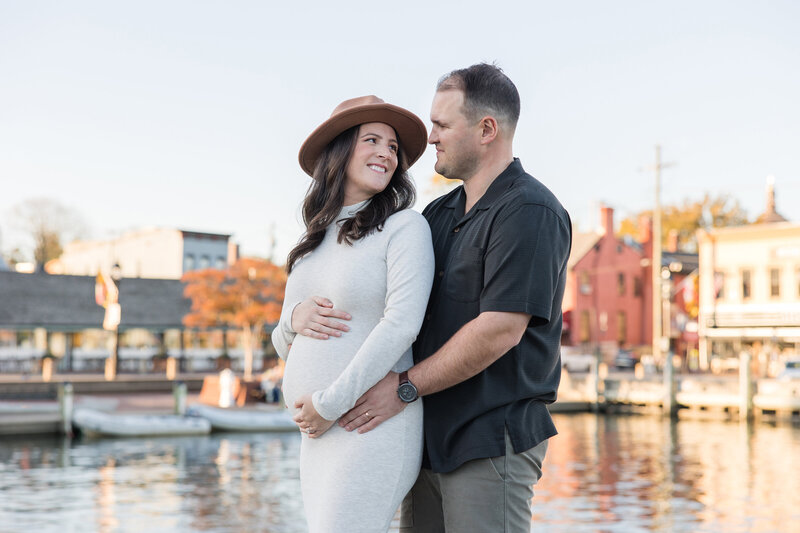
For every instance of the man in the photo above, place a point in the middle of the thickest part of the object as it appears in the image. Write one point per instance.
(487, 358)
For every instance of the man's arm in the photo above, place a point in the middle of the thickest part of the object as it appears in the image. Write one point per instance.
(478, 344)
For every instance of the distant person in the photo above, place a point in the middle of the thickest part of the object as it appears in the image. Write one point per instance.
(487, 357)
(368, 252)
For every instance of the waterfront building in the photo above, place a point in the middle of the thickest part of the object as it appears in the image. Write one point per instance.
(608, 296)
(156, 253)
(42, 314)
(750, 290)
(603, 294)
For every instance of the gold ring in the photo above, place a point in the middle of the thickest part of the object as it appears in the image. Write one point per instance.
(367, 415)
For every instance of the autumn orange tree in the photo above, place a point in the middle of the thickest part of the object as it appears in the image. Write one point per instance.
(247, 295)
(712, 211)
(439, 185)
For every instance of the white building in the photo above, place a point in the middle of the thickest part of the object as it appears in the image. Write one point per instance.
(750, 289)
(158, 253)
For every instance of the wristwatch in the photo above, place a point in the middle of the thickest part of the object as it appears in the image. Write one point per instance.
(406, 390)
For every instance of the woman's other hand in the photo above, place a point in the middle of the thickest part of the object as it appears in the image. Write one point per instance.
(308, 419)
(315, 316)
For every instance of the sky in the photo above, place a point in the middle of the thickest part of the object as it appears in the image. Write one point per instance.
(190, 114)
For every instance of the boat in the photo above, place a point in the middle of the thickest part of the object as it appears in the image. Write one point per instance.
(100, 424)
(243, 419)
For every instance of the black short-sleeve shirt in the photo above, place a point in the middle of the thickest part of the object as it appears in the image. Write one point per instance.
(508, 253)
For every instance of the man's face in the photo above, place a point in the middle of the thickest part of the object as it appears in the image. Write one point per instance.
(457, 141)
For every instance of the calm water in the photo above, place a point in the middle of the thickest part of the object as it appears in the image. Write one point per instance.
(602, 473)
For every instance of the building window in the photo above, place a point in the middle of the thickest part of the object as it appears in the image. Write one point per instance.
(622, 328)
(220, 263)
(205, 262)
(775, 282)
(584, 329)
(621, 284)
(746, 284)
(188, 262)
(637, 286)
(797, 279)
(584, 282)
(719, 285)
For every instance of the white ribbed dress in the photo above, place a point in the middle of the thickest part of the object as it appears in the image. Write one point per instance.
(354, 483)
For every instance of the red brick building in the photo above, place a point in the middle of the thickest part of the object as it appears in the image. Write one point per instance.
(608, 295)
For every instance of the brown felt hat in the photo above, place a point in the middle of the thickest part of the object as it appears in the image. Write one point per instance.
(410, 130)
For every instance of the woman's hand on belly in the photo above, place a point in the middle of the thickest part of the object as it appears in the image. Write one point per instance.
(315, 316)
(308, 419)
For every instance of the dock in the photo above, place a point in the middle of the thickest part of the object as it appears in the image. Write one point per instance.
(696, 396)
(29, 405)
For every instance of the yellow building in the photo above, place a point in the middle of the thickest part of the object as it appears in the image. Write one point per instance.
(750, 291)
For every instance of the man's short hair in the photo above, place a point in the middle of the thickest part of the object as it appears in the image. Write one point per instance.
(487, 91)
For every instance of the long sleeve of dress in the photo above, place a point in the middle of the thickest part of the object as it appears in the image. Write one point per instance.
(283, 335)
(409, 265)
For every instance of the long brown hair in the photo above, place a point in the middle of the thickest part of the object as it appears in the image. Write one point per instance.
(325, 198)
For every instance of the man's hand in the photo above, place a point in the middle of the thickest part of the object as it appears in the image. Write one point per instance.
(378, 404)
(314, 318)
(308, 419)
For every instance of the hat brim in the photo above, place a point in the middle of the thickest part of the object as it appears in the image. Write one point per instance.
(411, 132)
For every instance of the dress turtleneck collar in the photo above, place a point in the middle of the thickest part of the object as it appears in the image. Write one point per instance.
(350, 210)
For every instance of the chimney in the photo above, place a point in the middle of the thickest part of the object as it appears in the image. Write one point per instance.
(607, 219)
(645, 229)
(672, 241)
(770, 215)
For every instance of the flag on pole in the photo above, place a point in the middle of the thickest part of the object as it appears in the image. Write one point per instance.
(105, 291)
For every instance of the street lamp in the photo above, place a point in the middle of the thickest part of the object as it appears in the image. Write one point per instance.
(116, 275)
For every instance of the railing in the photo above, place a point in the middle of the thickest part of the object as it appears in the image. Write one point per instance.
(131, 360)
(784, 318)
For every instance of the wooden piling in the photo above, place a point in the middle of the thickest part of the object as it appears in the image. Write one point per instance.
(179, 395)
(65, 402)
(746, 391)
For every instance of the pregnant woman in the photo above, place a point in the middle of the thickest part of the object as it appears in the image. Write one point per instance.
(368, 253)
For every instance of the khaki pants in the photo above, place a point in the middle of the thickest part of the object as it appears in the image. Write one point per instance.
(482, 496)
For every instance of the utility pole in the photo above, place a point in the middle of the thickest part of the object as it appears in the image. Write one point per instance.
(658, 334)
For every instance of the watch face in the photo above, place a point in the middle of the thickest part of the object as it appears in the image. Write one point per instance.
(407, 392)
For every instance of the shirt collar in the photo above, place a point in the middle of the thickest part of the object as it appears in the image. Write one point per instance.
(498, 186)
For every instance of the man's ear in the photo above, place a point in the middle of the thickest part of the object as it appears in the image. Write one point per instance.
(489, 129)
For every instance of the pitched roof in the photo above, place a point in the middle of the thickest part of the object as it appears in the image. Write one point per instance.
(581, 244)
(67, 302)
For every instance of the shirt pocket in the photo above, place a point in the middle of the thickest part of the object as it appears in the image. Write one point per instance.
(464, 278)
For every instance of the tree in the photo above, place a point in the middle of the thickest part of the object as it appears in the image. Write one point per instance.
(247, 295)
(439, 185)
(49, 224)
(687, 218)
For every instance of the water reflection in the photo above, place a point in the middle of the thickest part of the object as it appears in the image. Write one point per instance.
(218, 483)
(615, 473)
(643, 473)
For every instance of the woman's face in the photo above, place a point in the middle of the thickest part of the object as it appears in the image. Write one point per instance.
(372, 163)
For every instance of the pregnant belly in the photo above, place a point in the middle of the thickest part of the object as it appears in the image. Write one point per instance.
(313, 365)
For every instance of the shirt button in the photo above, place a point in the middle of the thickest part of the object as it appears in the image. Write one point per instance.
(456, 230)
(441, 273)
